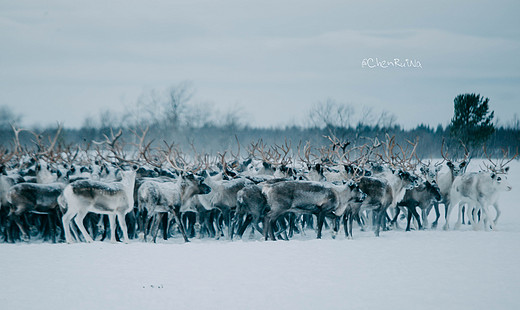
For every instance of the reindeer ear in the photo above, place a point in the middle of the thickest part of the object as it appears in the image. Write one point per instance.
(507, 169)
(450, 164)
(463, 164)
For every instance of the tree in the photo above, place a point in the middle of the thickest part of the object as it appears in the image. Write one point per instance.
(472, 122)
(8, 117)
(177, 98)
(330, 114)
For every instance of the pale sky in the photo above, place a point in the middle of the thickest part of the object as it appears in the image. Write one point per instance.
(64, 60)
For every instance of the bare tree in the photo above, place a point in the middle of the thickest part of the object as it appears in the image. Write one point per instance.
(386, 120)
(367, 117)
(108, 119)
(199, 115)
(167, 109)
(8, 117)
(330, 114)
(178, 96)
(232, 118)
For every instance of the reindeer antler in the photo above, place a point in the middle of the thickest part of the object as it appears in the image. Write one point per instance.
(284, 158)
(140, 145)
(499, 167)
(116, 149)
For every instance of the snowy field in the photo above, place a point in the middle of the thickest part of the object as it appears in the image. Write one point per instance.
(430, 269)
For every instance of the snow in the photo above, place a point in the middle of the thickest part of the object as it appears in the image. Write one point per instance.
(430, 269)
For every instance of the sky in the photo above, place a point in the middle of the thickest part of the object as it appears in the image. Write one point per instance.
(64, 61)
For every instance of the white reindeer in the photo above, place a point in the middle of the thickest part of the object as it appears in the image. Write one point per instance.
(113, 199)
(478, 191)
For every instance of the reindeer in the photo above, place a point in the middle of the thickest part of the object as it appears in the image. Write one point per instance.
(251, 209)
(34, 198)
(391, 182)
(114, 199)
(322, 200)
(479, 191)
(156, 197)
(421, 196)
(445, 182)
(383, 193)
(223, 197)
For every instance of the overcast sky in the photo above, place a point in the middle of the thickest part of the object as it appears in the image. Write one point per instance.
(64, 60)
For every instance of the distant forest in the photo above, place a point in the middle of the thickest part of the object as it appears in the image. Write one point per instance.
(171, 117)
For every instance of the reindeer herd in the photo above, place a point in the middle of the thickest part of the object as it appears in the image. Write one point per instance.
(139, 191)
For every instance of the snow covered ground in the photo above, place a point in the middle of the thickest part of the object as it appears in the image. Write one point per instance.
(430, 269)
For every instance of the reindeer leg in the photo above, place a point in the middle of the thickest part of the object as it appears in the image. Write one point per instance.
(155, 225)
(79, 222)
(18, 222)
(122, 224)
(256, 224)
(497, 209)
(394, 220)
(244, 225)
(209, 223)
(298, 224)
(336, 224)
(437, 215)
(52, 226)
(283, 225)
(448, 208)
(321, 219)
(418, 218)
(67, 217)
(379, 215)
(290, 225)
(166, 219)
(131, 229)
(112, 222)
(236, 221)
(350, 222)
(268, 228)
(413, 212)
(424, 214)
(147, 225)
(179, 222)
(459, 217)
(408, 219)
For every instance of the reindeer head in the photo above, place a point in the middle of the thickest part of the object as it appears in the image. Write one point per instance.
(460, 165)
(408, 178)
(499, 166)
(500, 182)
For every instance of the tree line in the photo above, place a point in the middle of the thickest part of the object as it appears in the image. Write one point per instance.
(172, 117)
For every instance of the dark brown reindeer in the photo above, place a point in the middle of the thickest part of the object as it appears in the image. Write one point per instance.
(422, 196)
(304, 197)
(35, 198)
